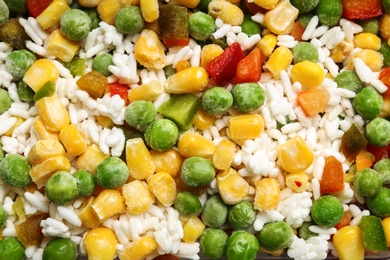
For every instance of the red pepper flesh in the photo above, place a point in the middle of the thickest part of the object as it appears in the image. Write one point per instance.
(249, 68)
(119, 89)
(361, 9)
(36, 7)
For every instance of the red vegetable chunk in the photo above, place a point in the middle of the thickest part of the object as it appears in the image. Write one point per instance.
(119, 89)
(249, 68)
(36, 7)
(361, 9)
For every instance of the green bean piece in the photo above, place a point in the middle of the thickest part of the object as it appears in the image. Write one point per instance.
(75, 24)
(214, 212)
(3, 217)
(94, 16)
(305, 6)
(377, 132)
(385, 51)
(187, 204)
(162, 134)
(14, 170)
(383, 168)
(5, 101)
(304, 51)
(212, 243)
(367, 182)
(368, 102)
(111, 173)
(60, 248)
(373, 235)
(25, 93)
(4, 12)
(129, 20)
(11, 248)
(61, 188)
(247, 97)
(197, 172)
(304, 231)
(370, 25)
(48, 89)
(250, 27)
(101, 62)
(241, 215)
(327, 211)
(140, 113)
(76, 66)
(201, 26)
(379, 205)
(217, 101)
(242, 245)
(276, 235)
(85, 183)
(329, 12)
(349, 79)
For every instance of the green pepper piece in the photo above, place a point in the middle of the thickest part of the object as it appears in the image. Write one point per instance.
(373, 234)
(174, 25)
(181, 109)
(76, 66)
(47, 90)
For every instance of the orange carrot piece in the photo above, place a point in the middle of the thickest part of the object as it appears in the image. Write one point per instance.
(364, 159)
(332, 177)
(345, 221)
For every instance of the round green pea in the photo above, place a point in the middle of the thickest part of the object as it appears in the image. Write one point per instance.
(247, 97)
(18, 62)
(201, 26)
(203, 5)
(367, 182)
(5, 101)
(11, 249)
(377, 132)
(368, 102)
(349, 79)
(379, 205)
(212, 243)
(217, 101)
(140, 113)
(101, 62)
(162, 134)
(129, 20)
(242, 245)
(75, 24)
(250, 27)
(3, 217)
(329, 12)
(111, 173)
(304, 6)
(327, 211)
(383, 168)
(85, 182)
(14, 170)
(370, 25)
(304, 51)
(4, 12)
(60, 248)
(214, 212)
(197, 172)
(187, 204)
(276, 235)
(241, 215)
(61, 188)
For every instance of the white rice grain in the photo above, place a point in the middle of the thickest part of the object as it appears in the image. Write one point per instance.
(311, 26)
(364, 72)
(378, 85)
(315, 184)
(69, 215)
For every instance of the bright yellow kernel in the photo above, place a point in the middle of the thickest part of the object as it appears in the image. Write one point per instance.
(149, 51)
(348, 242)
(384, 26)
(19, 121)
(100, 243)
(280, 19)
(367, 41)
(150, 10)
(371, 58)
(386, 228)
(89, 3)
(208, 53)
(231, 186)
(148, 91)
(224, 154)
(192, 229)
(297, 181)
(43, 150)
(41, 173)
(53, 113)
(203, 120)
(279, 60)
(193, 144)
(62, 47)
(41, 131)
(107, 10)
(266, 4)
(169, 161)
(138, 198)
(227, 12)
(52, 14)
(104, 121)
(308, 73)
(107, 204)
(245, 127)
(163, 187)
(341, 51)
(40, 72)
(138, 159)
(87, 215)
(139, 249)
(73, 141)
(91, 158)
(191, 80)
(267, 195)
(267, 44)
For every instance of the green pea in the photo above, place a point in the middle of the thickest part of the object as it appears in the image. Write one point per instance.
(75, 24)
(385, 6)
(304, 51)
(25, 93)
(203, 5)
(85, 182)
(250, 27)
(140, 113)
(111, 173)
(129, 20)
(94, 16)
(76, 66)
(4, 12)
(370, 25)
(349, 79)
(3, 217)
(304, 231)
(217, 101)
(304, 6)
(367, 182)
(16, 7)
(327, 211)
(241, 215)
(329, 12)
(377, 132)
(101, 62)
(385, 51)
(162, 134)
(242, 245)
(61, 188)
(247, 97)
(214, 212)
(18, 62)
(187, 204)
(373, 234)
(368, 102)
(379, 205)
(212, 243)
(276, 235)
(304, 19)
(197, 172)
(14, 170)
(60, 248)
(201, 26)
(383, 168)
(75, 5)
(11, 249)
(5, 101)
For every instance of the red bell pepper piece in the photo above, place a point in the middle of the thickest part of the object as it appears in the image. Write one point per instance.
(254, 8)
(249, 68)
(379, 152)
(36, 7)
(361, 9)
(332, 177)
(384, 76)
(119, 89)
(223, 68)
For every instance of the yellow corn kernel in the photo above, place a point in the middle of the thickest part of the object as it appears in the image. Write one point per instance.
(107, 204)
(73, 141)
(43, 150)
(279, 60)
(41, 173)
(107, 10)
(191, 80)
(41, 131)
(40, 72)
(189, 3)
(384, 26)
(52, 14)
(89, 3)
(182, 65)
(231, 186)
(308, 73)
(62, 47)
(385, 110)
(280, 19)
(227, 12)
(100, 243)
(150, 10)
(163, 187)
(386, 228)
(245, 127)
(19, 121)
(367, 41)
(91, 158)
(295, 155)
(266, 4)
(169, 161)
(371, 58)
(193, 144)
(267, 195)
(53, 113)
(87, 215)
(148, 91)
(138, 250)
(192, 229)
(267, 44)
(149, 51)
(138, 197)
(223, 155)
(341, 51)
(297, 181)
(234, 1)
(130, 2)
(208, 53)
(138, 159)
(203, 120)
(348, 242)
(104, 121)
